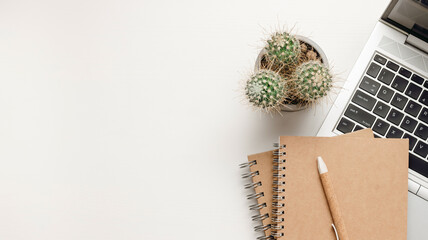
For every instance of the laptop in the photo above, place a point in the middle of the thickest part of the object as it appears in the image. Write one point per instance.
(387, 90)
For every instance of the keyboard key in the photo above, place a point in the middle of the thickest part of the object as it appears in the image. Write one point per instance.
(413, 91)
(363, 100)
(426, 84)
(385, 94)
(413, 108)
(395, 116)
(423, 191)
(369, 85)
(409, 124)
(392, 66)
(418, 165)
(399, 101)
(417, 79)
(380, 127)
(405, 72)
(386, 76)
(373, 70)
(424, 98)
(358, 127)
(424, 115)
(380, 59)
(413, 187)
(399, 83)
(412, 140)
(422, 131)
(394, 133)
(421, 149)
(381, 109)
(345, 125)
(360, 116)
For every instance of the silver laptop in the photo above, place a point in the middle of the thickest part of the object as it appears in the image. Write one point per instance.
(387, 90)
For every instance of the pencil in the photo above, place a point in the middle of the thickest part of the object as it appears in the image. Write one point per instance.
(332, 200)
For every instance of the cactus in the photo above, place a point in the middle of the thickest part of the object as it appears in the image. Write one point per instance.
(283, 48)
(266, 90)
(311, 81)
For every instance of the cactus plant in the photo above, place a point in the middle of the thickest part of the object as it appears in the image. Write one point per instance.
(291, 73)
(311, 81)
(266, 90)
(283, 48)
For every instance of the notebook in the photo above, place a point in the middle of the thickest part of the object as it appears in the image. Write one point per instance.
(261, 172)
(369, 177)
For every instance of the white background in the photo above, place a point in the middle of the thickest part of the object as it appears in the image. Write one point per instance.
(126, 119)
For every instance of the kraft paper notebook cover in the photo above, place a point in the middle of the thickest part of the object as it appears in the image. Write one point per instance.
(369, 177)
(262, 163)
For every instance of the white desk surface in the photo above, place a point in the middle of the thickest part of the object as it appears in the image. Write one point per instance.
(124, 119)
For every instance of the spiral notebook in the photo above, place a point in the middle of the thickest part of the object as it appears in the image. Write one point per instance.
(370, 181)
(261, 172)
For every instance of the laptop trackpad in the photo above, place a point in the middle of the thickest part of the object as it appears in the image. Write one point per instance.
(416, 219)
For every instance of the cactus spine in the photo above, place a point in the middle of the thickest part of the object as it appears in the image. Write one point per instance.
(266, 90)
(311, 81)
(283, 48)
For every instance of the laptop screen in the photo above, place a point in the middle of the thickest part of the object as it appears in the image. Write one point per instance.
(409, 15)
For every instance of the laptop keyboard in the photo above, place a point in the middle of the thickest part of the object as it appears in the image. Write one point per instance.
(393, 101)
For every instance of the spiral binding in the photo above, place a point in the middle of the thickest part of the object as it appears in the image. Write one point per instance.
(248, 164)
(265, 238)
(262, 228)
(252, 185)
(259, 217)
(279, 183)
(255, 195)
(278, 188)
(250, 174)
(257, 206)
(278, 205)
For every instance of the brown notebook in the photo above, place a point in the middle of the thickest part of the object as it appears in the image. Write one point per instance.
(369, 177)
(262, 173)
